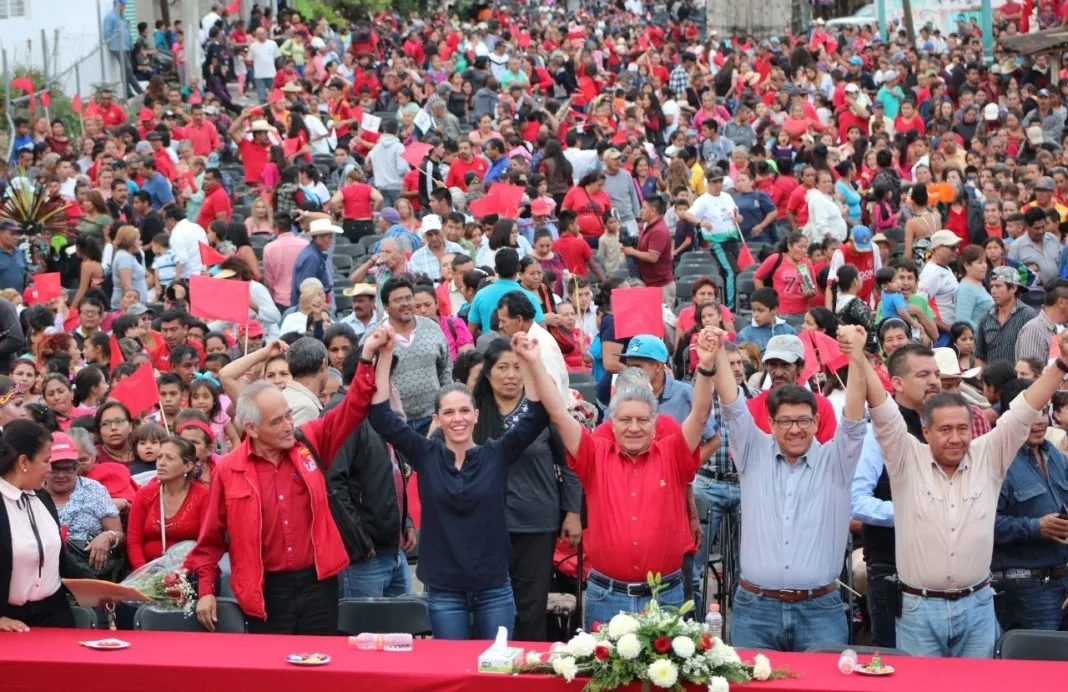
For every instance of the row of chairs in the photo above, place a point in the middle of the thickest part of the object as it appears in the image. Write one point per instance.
(407, 614)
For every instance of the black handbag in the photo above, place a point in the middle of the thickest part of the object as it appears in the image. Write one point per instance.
(78, 552)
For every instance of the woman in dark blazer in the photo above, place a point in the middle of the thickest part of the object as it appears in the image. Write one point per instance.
(31, 546)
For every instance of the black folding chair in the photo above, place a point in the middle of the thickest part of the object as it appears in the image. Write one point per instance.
(85, 618)
(1032, 645)
(383, 615)
(229, 619)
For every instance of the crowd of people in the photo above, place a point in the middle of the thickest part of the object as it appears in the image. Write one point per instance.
(432, 215)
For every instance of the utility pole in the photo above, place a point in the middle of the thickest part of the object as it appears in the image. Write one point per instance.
(910, 31)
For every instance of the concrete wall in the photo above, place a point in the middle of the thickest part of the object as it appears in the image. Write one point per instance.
(72, 31)
(762, 18)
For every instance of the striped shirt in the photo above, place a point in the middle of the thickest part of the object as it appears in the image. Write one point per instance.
(994, 340)
(1035, 337)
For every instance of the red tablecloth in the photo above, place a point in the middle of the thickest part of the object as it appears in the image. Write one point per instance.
(163, 661)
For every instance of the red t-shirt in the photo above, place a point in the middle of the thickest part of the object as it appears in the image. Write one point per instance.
(787, 283)
(799, 205)
(957, 221)
(780, 194)
(460, 168)
(113, 116)
(576, 253)
(356, 200)
(161, 355)
(255, 159)
(658, 239)
(215, 202)
(165, 165)
(589, 209)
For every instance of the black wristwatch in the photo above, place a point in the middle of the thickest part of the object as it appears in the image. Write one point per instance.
(1063, 367)
(706, 373)
(366, 361)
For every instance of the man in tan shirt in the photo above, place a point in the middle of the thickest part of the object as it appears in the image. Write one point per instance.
(945, 501)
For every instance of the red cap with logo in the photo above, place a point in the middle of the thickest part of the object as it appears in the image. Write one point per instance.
(63, 448)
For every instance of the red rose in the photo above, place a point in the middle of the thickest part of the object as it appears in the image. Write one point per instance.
(601, 652)
(596, 627)
(706, 641)
(662, 644)
(170, 580)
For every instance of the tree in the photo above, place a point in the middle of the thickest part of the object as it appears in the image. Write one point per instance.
(910, 32)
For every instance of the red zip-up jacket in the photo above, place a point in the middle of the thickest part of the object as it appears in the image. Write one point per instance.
(234, 504)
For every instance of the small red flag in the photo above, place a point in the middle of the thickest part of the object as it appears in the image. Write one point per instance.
(138, 392)
(415, 153)
(209, 256)
(821, 353)
(638, 311)
(745, 258)
(48, 286)
(218, 299)
(76, 103)
(234, 7)
(23, 83)
(116, 352)
(46, 99)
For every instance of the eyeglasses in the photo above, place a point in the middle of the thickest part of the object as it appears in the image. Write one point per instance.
(802, 423)
(113, 423)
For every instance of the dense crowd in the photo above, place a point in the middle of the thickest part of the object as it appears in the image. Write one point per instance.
(437, 218)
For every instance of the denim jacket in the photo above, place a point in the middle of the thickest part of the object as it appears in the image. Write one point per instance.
(1026, 496)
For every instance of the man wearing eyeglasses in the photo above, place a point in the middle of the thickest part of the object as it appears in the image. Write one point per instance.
(784, 360)
(795, 508)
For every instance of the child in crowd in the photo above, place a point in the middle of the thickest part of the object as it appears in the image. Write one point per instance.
(577, 359)
(609, 247)
(194, 426)
(171, 392)
(578, 257)
(892, 303)
(766, 323)
(146, 441)
(204, 397)
(685, 232)
(165, 265)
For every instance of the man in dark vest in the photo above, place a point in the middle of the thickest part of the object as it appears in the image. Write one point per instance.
(914, 376)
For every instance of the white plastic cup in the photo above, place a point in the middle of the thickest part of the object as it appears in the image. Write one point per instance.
(847, 661)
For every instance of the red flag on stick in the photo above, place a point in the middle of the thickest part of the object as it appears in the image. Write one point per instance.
(116, 352)
(48, 286)
(218, 299)
(24, 84)
(638, 311)
(745, 257)
(821, 353)
(234, 7)
(76, 103)
(46, 99)
(138, 392)
(209, 256)
(415, 153)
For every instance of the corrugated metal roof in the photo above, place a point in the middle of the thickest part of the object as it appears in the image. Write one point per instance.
(1048, 41)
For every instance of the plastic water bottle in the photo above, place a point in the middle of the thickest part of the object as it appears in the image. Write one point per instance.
(847, 661)
(368, 641)
(714, 620)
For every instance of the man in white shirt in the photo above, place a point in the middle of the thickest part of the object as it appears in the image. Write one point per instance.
(323, 141)
(186, 237)
(937, 280)
(582, 161)
(263, 53)
(67, 180)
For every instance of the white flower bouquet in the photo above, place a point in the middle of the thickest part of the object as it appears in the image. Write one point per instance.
(658, 648)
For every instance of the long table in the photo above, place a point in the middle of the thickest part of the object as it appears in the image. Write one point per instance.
(45, 659)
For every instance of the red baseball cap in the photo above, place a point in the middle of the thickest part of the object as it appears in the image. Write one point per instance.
(32, 296)
(144, 115)
(63, 448)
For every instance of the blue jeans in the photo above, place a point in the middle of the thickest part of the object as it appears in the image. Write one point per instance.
(965, 628)
(381, 575)
(721, 498)
(1030, 604)
(452, 612)
(602, 604)
(262, 85)
(758, 622)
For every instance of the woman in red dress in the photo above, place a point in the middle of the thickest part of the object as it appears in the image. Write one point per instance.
(184, 502)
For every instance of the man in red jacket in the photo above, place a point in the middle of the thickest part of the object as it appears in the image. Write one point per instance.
(269, 497)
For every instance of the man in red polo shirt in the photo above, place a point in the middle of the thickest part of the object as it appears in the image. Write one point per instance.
(175, 332)
(269, 508)
(164, 163)
(107, 110)
(851, 113)
(255, 148)
(465, 162)
(636, 486)
(784, 359)
(202, 133)
(216, 206)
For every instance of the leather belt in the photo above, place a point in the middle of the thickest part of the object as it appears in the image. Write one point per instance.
(952, 595)
(718, 476)
(1027, 573)
(634, 589)
(788, 595)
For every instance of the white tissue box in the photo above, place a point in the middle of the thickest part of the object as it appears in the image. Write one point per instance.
(495, 660)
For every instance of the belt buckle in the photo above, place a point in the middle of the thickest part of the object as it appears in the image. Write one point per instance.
(786, 595)
(1017, 573)
(639, 587)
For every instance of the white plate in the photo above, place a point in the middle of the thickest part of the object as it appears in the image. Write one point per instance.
(886, 670)
(302, 659)
(101, 644)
